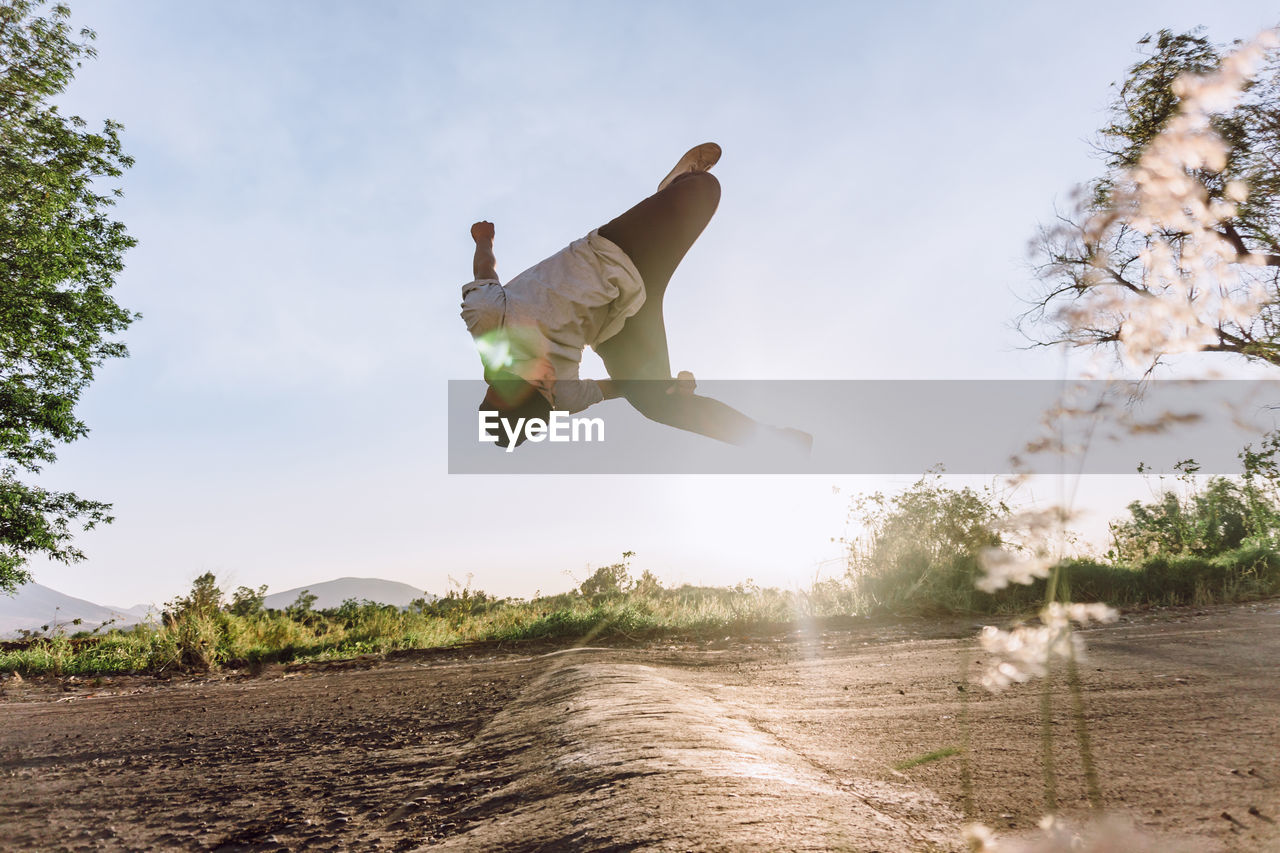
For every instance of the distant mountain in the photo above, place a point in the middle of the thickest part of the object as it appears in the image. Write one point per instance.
(142, 610)
(36, 605)
(333, 593)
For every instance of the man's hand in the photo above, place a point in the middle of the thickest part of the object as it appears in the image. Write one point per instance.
(482, 232)
(540, 374)
(684, 385)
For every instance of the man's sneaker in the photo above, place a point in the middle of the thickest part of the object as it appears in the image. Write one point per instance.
(700, 158)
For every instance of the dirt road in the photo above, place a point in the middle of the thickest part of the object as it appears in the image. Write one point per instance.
(809, 742)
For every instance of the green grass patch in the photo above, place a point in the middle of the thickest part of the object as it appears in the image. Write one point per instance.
(937, 754)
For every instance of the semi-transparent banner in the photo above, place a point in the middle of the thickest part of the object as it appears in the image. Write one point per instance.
(867, 427)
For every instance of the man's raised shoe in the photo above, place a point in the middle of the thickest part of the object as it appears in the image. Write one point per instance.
(699, 158)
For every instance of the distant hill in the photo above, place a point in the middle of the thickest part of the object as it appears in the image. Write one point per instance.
(36, 605)
(333, 593)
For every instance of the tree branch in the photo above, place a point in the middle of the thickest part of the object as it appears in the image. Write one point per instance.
(1124, 282)
(1243, 255)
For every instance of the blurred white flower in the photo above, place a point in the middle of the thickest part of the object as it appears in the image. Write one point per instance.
(1032, 537)
(1005, 567)
(1025, 652)
(980, 838)
(1111, 834)
(1082, 613)
(1022, 653)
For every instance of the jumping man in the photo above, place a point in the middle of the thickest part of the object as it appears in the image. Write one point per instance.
(605, 291)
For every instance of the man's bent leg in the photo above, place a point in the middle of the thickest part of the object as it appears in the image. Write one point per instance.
(656, 234)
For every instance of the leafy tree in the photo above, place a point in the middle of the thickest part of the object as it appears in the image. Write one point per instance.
(459, 603)
(301, 606)
(352, 611)
(1261, 489)
(1206, 519)
(608, 581)
(1206, 523)
(60, 252)
(247, 601)
(1205, 260)
(647, 585)
(205, 598)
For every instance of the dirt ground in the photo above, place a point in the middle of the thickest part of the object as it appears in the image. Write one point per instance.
(803, 742)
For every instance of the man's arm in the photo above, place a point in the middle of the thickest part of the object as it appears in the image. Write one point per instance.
(485, 264)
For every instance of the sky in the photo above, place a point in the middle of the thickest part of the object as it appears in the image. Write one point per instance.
(306, 174)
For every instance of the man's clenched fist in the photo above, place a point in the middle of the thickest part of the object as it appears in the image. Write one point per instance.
(482, 232)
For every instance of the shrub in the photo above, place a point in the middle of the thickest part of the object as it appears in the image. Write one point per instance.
(609, 583)
(1206, 520)
(920, 548)
(248, 601)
